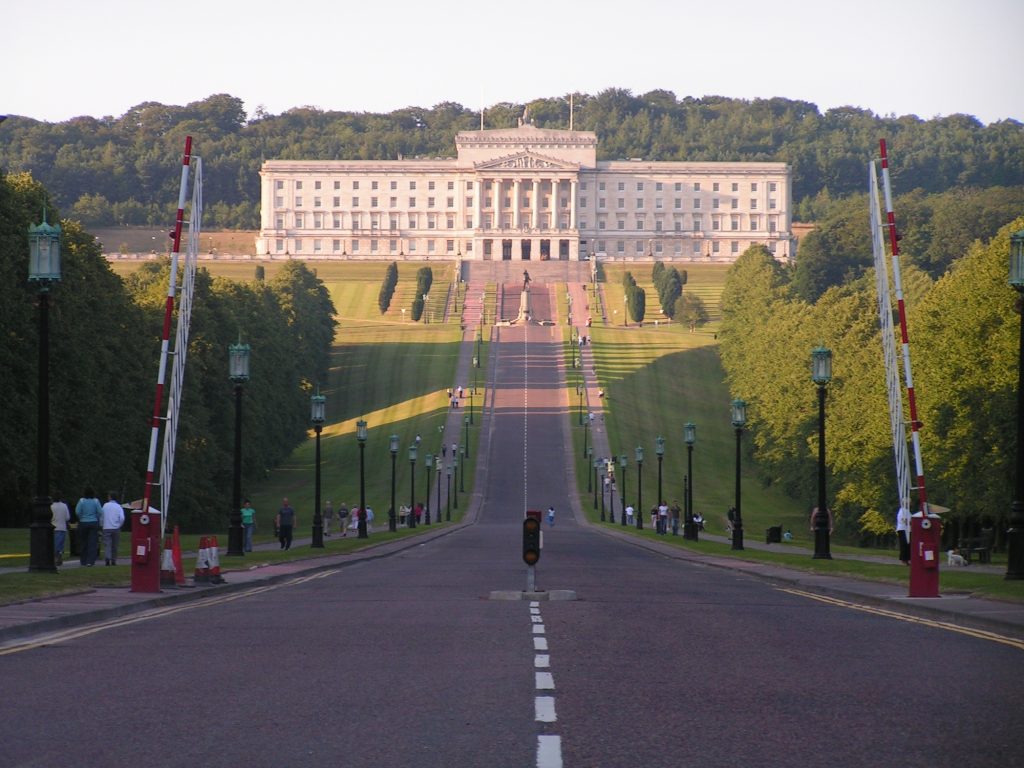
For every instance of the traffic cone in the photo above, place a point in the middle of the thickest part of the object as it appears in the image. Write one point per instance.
(167, 565)
(202, 574)
(179, 570)
(214, 559)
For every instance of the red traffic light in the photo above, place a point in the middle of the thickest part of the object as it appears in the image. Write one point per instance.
(531, 540)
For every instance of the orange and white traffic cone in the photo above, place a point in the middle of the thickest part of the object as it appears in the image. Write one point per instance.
(214, 559)
(202, 574)
(167, 565)
(179, 569)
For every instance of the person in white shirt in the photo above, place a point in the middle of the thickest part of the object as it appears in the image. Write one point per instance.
(903, 530)
(629, 514)
(60, 517)
(112, 518)
(663, 518)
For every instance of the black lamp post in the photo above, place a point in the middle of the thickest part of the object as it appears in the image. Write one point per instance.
(464, 450)
(44, 270)
(448, 500)
(238, 372)
(739, 419)
(579, 391)
(393, 447)
(317, 414)
(412, 484)
(622, 494)
(429, 463)
(1015, 533)
(639, 488)
(472, 392)
(821, 374)
(361, 437)
(437, 507)
(586, 432)
(659, 449)
(689, 437)
(455, 471)
(573, 335)
(597, 466)
(589, 457)
(465, 421)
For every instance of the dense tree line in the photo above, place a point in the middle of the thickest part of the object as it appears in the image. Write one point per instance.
(104, 347)
(121, 170)
(964, 330)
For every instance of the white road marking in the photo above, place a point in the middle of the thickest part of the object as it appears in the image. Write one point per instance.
(538, 629)
(549, 752)
(535, 604)
(540, 643)
(544, 681)
(544, 706)
(535, 611)
(536, 619)
(541, 661)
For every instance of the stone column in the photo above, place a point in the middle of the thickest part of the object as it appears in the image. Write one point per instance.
(536, 203)
(516, 203)
(572, 204)
(479, 202)
(496, 191)
(555, 221)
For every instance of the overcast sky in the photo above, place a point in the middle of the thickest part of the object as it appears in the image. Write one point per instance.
(922, 57)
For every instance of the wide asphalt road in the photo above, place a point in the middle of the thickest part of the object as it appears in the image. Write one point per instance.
(404, 661)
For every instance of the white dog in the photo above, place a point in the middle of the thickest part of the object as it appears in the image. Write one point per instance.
(955, 558)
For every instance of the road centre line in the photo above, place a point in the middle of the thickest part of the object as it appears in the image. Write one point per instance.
(541, 661)
(544, 709)
(935, 624)
(544, 681)
(538, 629)
(156, 613)
(549, 752)
(540, 643)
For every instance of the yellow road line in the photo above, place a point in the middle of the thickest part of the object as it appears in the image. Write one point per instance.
(156, 613)
(981, 634)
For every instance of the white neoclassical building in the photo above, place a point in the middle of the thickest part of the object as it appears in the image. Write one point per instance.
(523, 193)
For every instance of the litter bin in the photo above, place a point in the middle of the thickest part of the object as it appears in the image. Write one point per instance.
(773, 535)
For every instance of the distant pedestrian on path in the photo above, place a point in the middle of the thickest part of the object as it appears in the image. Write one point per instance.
(328, 517)
(113, 518)
(60, 515)
(342, 514)
(675, 510)
(88, 511)
(285, 524)
(551, 516)
(663, 518)
(629, 514)
(248, 524)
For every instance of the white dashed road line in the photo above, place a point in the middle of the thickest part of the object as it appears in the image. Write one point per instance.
(549, 746)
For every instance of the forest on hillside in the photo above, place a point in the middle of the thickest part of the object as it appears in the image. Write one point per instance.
(107, 171)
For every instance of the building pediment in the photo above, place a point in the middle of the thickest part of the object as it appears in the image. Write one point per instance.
(526, 161)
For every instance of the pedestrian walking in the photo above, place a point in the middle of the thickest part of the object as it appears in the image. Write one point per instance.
(248, 524)
(903, 530)
(327, 517)
(460, 391)
(342, 514)
(112, 516)
(551, 516)
(88, 511)
(285, 524)
(629, 514)
(60, 515)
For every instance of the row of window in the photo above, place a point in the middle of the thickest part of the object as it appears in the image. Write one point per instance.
(279, 184)
(526, 202)
(315, 246)
(733, 222)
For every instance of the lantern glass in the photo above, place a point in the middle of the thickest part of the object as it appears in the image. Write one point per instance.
(821, 365)
(639, 454)
(361, 431)
(238, 362)
(597, 463)
(739, 413)
(44, 253)
(690, 433)
(393, 443)
(430, 460)
(317, 408)
(659, 444)
(1017, 260)
(412, 453)
(622, 461)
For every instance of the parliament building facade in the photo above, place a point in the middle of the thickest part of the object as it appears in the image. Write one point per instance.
(524, 193)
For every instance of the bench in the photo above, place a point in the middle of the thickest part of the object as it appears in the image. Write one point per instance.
(979, 546)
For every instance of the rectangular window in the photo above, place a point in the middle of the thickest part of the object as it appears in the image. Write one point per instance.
(279, 202)
(583, 186)
(696, 248)
(658, 247)
(678, 203)
(355, 246)
(449, 246)
(714, 246)
(355, 202)
(657, 187)
(412, 246)
(279, 184)
(657, 225)
(412, 185)
(430, 202)
(621, 224)
(337, 222)
(375, 221)
(298, 202)
(601, 223)
(696, 186)
(735, 187)
(771, 186)
(430, 246)
(373, 187)
(583, 202)
(298, 245)
(679, 186)
(753, 204)
(393, 222)
(356, 220)
(507, 202)
(469, 222)
(355, 185)
(696, 204)
(659, 203)
(735, 223)
(639, 204)
(392, 202)
(639, 186)
(318, 221)
(755, 223)
(622, 186)
(469, 186)
(602, 202)
(279, 245)
(451, 202)
(298, 185)
(716, 223)
(734, 203)
(412, 221)
(393, 185)
(430, 186)
(451, 222)
(771, 203)
(679, 225)
(638, 247)
(582, 224)
(714, 202)
(412, 202)
(392, 245)
(696, 224)
(714, 186)
(621, 202)
(469, 202)
(279, 222)
(335, 245)
(451, 185)
(753, 186)
(620, 246)
(298, 221)
(337, 185)
(734, 247)
(373, 202)
(600, 186)
(336, 202)
(431, 221)
(317, 245)
(639, 222)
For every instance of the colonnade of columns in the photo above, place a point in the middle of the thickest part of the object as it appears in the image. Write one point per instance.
(536, 187)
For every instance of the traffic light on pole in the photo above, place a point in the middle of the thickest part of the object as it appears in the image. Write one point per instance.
(531, 540)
